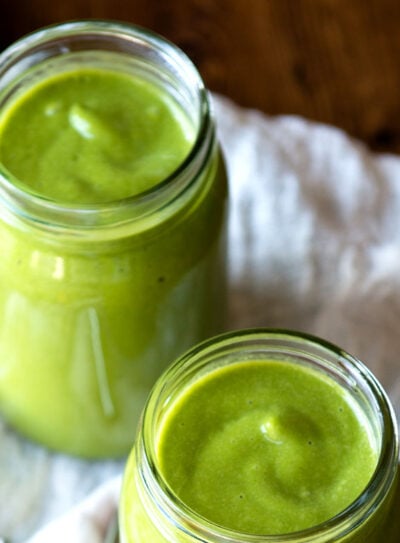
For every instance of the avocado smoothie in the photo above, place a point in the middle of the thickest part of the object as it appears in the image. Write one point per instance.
(254, 448)
(112, 230)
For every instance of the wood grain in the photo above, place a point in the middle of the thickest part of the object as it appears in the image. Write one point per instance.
(333, 61)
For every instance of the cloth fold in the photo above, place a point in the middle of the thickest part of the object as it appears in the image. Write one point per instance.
(314, 245)
(88, 522)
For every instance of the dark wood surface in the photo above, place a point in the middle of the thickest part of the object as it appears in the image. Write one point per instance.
(334, 61)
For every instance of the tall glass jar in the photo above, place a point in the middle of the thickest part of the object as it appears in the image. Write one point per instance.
(150, 509)
(95, 299)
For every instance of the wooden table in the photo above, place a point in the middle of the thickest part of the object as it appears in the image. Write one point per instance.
(334, 61)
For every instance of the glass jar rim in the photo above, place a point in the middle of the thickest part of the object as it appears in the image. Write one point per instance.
(49, 213)
(339, 525)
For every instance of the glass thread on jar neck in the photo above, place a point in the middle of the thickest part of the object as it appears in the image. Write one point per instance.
(173, 516)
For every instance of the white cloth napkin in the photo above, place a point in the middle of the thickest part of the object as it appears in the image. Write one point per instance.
(87, 522)
(314, 238)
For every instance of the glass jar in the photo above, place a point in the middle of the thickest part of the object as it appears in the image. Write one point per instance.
(95, 299)
(150, 510)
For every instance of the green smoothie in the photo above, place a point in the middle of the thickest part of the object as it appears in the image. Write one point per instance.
(91, 136)
(266, 448)
(259, 447)
(91, 313)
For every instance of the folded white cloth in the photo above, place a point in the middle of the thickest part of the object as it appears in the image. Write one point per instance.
(314, 238)
(88, 522)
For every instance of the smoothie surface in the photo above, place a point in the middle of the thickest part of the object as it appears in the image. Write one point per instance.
(91, 135)
(266, 447)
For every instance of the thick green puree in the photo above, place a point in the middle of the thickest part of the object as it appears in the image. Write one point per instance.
(91, 136)
(91, 314)
(266, 447)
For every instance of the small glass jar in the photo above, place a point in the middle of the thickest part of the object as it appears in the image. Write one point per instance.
(95, 299)
(151, 511)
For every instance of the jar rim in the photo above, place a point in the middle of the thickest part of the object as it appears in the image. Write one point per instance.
(340, 524)
(58, 215)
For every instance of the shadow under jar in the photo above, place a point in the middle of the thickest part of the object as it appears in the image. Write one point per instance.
(263, 436)
(112, 228)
